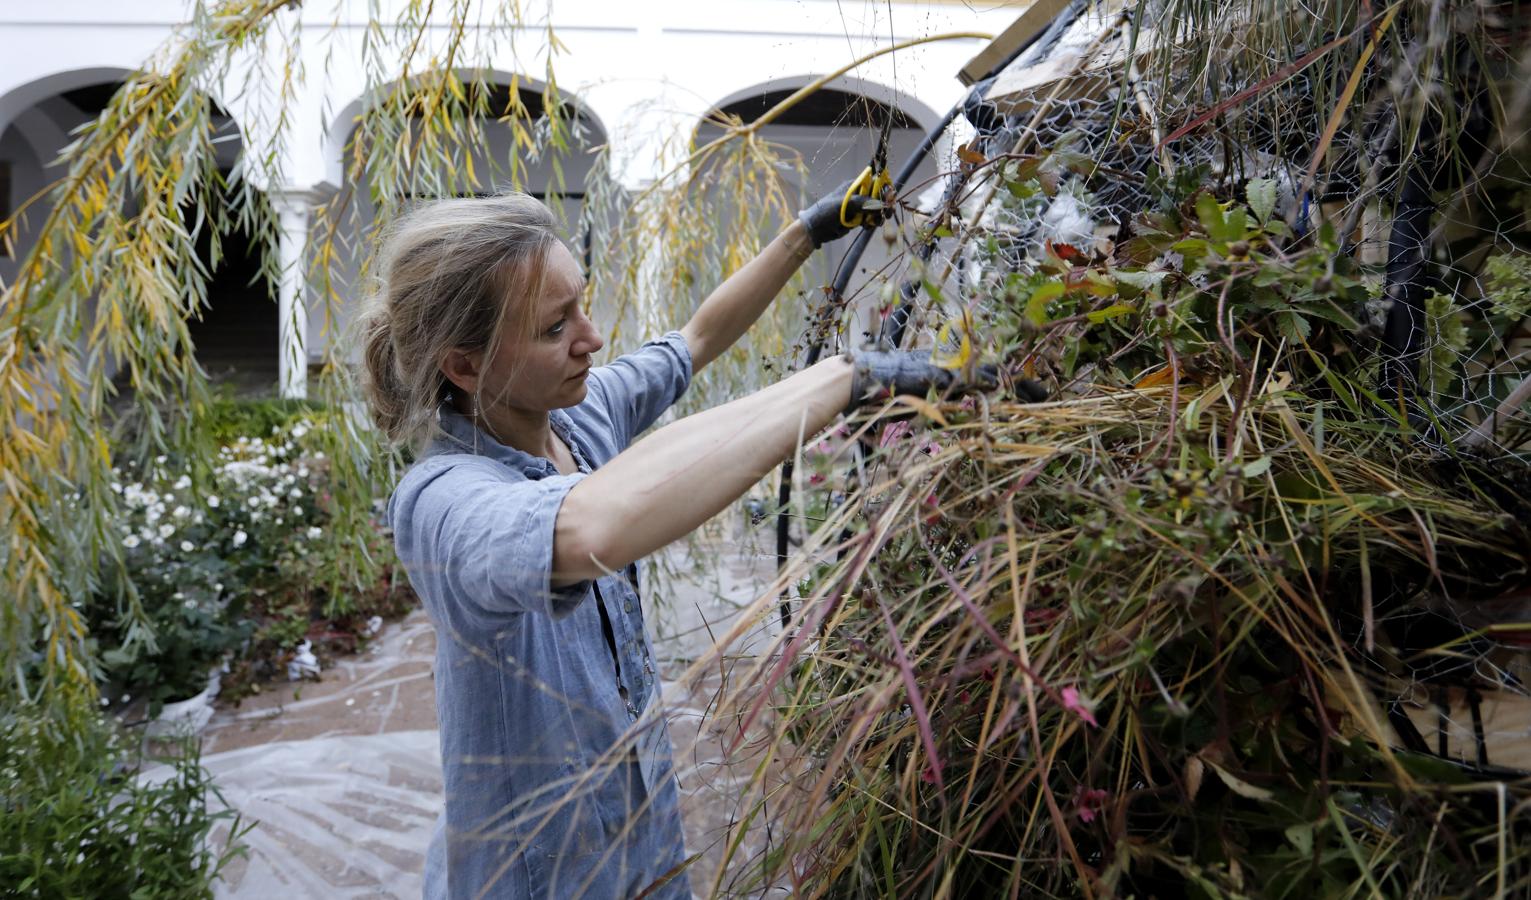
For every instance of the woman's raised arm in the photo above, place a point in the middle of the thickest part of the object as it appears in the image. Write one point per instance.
(730, 310)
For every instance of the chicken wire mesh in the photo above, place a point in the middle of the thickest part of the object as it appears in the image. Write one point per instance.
(1434, 217)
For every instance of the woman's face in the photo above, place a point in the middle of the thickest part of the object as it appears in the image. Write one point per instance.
(548, 370)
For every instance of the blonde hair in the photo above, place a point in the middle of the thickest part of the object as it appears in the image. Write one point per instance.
(445, 270)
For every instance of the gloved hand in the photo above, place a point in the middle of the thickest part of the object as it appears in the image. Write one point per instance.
(822, 219)
(880, 374)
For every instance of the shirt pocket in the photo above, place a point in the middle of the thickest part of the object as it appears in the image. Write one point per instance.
(595, 848)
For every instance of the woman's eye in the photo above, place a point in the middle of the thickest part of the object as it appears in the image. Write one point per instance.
(557, 329)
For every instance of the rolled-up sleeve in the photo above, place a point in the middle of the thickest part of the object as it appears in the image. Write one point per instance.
(479, 545)
(636, 389)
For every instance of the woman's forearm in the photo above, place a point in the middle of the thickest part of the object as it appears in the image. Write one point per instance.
(730, 310)
(669, 483)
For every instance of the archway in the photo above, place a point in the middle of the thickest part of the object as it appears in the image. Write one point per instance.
(235, 335)
(834, 131)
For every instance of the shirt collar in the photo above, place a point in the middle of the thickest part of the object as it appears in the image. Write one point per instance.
(457, 434)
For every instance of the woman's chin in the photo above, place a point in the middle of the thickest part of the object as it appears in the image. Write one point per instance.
(576, 394)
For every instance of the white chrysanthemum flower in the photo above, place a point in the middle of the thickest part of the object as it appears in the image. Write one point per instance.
(240, 537)
(180, 512)
(295, 493)
(213, 501)
(253, 501)
(187, 546)
(166, 530)
(315, 532)
(183, 483)
(130, 541)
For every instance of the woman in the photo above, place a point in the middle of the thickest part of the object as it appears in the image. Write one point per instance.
(522, 522)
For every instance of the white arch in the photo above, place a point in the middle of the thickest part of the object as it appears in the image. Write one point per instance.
(22, 104)
(339, 128)
(40, 131)
(25, 96)
(904, 102)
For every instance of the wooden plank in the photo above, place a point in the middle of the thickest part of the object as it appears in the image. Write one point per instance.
(1443, 716)
(1028, 24)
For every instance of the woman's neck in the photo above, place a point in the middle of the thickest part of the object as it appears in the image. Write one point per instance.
(529, 431)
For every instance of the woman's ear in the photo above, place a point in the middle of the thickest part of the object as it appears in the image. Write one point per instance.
(462, 368)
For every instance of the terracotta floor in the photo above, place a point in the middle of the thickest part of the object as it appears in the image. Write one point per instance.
(343, 776)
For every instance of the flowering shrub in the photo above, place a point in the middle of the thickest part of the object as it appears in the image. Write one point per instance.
(239, 566)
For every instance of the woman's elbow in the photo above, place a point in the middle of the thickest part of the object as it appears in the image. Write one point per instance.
(581, 546)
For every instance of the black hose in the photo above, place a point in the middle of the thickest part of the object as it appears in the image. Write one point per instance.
(973, 99)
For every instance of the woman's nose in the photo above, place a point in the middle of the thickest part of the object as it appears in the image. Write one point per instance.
(590, 341)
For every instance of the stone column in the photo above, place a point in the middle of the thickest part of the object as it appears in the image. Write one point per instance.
(293, 208)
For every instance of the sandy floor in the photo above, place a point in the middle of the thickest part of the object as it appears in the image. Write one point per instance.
(343, 776)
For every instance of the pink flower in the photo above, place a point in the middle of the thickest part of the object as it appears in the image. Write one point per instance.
(1079, 707)
(893, 433)
(1089, 802)
(816, 478)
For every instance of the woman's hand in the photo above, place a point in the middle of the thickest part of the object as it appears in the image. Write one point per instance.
(880, 374)
(822, 219)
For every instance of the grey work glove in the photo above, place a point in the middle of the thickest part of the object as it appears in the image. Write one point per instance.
(822, 219)
(880, 374)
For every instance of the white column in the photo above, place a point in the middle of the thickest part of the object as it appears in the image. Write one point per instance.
(292, 209)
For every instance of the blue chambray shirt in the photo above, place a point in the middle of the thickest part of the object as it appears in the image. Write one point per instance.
(556, 763)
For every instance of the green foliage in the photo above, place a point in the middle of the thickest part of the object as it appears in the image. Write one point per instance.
(1507, 283)
(79, 821)
(230, 418)
(1446, 336)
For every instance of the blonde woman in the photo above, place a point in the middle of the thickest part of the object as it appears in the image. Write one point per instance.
(523, 521)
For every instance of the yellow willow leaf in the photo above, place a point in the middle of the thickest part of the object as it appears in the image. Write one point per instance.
(952, 359)
(1036, 451)
(1156, 378)
(928, 410)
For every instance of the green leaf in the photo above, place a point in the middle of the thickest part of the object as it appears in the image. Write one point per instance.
(1293, 327)
(1258, 467)
(1036, 307)
(1190, 248)
(1240, 786)
(1111, 312)
(1235, 224)
(1261, 194)
(1301, 837)
(1136, 282)
(1021, 190)
(1210, 213)
(934, 292)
